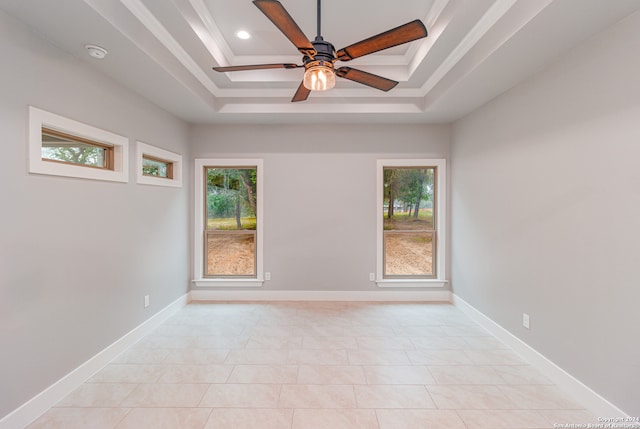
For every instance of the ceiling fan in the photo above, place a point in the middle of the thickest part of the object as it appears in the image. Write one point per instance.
(319, 56)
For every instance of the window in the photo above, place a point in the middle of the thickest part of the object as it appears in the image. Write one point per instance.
(157, 166)
(63, 147)
(411, 201)
(228, 223)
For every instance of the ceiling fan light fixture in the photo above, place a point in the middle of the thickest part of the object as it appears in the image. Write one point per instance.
(319, 76)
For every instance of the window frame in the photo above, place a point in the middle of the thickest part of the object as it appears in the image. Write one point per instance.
(118, 148)
(199, 231)
(144, 150)
(439, 280)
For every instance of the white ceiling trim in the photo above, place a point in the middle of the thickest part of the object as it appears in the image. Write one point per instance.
(152, 24)
(214, 41)
(417, 52)
(302, 108)
(488, 20)
(224, 56)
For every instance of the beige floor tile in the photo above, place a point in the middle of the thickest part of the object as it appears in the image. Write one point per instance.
(257, 357)
(484, 343)
(371, 331)
(279, 342)
(465, 374)
(470, 398)
(242, 396)
(328, 343)
(166, 395)
(80, 418)
(165, 418)
(334, 419)
(398, 374)
(318, 357)
(540, 397)
(317, 396)
(494, 357)
(240, 418)
(197, 356)
(465, 331)
(385, 343)
(328, 365)
(378, 357)
(438, 357)
(419, 419)
(270, 331)
(331, 374)
(571, 417)
(196, 374)
(97, 395)
(129, 373)
(491, 419)
(389, 396)
(221, 342)
(439, 343)
(313, 330)
(521, 374)
(267, 374)
(419, 331)
(167, 342)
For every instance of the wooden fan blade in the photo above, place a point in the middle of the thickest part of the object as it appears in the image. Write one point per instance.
(408, 32)
(369, 79)
(285, 23)
(256, 67)
(301, 94)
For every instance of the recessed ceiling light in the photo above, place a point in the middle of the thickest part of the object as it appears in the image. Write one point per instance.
(96, 51)
(244, 35)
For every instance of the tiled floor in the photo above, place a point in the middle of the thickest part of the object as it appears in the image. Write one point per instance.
(325, 365)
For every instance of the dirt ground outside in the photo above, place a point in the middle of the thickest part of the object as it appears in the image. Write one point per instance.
(234, 254)
(408, 254)
(231, 254)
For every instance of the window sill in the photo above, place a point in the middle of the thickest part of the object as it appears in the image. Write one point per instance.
(256, 283)
(430, 283)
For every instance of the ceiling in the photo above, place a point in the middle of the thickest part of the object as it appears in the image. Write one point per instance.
(164, 50)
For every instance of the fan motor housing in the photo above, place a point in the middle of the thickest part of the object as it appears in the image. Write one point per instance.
(325, 52)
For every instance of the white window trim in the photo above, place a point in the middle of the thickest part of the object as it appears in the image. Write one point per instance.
(143, 149)
(198, 239)
(40, 118)
(441, 214)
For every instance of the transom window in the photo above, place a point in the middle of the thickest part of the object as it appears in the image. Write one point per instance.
(156, 167)
(61, 146)
(66, 148)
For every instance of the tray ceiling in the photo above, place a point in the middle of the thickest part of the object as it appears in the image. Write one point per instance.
(164, 50)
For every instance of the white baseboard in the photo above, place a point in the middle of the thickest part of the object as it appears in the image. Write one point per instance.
(39, 404)
(319, 295)
(582, 394)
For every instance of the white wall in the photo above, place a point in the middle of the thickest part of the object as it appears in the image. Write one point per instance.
(320, 193)
(546, 212)
(77, 256)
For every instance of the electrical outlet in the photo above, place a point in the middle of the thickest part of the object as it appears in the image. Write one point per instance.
(372, 277)
(267, 275)
(525, 320)
(146, 301)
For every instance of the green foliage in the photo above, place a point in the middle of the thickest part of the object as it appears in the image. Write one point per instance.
(231, 194)
(80, 154)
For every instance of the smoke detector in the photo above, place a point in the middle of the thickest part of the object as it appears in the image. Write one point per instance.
(96, 51)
